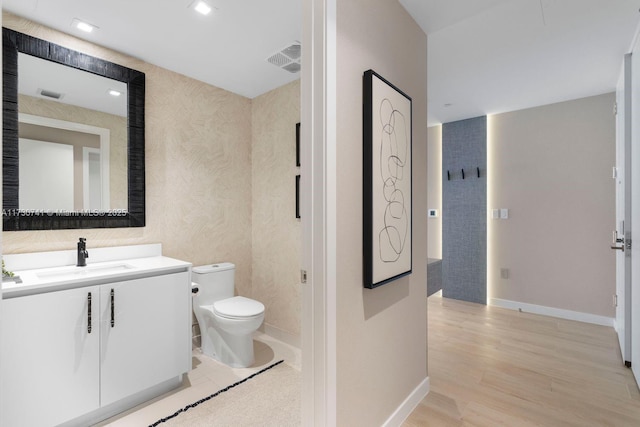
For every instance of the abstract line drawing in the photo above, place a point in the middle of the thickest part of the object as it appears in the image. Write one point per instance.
(394, 146)
(387, 199)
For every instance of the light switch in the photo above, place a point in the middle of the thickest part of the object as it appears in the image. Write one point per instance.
(495, 213)
(504, 213)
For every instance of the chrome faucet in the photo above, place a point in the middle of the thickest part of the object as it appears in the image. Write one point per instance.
(83, 254)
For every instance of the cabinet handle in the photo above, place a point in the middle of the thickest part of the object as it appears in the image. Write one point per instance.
(113, 313)
(89, 313)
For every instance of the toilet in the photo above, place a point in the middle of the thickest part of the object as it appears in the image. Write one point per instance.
(226, 322)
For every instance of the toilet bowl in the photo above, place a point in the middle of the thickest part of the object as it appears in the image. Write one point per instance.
(227, 322)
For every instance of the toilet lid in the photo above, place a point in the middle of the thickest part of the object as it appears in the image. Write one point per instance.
(238, 307)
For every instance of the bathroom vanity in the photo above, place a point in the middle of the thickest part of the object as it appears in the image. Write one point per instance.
(81, 344)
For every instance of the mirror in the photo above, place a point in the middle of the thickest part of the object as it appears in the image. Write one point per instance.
(80, 120)
(86, 113)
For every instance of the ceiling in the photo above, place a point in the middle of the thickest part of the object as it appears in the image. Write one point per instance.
(484, 56)
(75, 87)
(227, 48)
(492, 56)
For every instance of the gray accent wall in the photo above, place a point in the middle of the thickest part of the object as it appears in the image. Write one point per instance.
(464, 210)
(434, 276)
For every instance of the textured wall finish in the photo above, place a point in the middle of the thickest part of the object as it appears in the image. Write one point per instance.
(464, 210)
(198, 169)
(381, 348)
(276, 231)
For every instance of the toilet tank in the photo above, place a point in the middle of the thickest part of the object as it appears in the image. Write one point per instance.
(215, 282)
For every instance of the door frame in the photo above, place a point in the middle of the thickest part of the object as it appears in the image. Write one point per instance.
(623, 224)
(635, 208)
(318, 211)
(1, 132)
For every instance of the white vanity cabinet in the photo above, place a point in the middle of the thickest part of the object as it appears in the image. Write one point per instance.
(50, 359)
(144, 344)
(69, 353)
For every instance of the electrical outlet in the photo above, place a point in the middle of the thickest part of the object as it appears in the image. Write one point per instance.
(504, 273)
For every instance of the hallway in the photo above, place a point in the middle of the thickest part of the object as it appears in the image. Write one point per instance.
(490, 366)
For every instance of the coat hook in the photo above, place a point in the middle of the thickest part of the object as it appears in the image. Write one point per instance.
(478, 170)
(462, 173)
(448, 176)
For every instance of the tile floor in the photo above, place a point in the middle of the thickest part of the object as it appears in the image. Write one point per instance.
(206, 377)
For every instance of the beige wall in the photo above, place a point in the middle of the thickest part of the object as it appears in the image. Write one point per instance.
(276, 231)
(551, 167)
(382, 332)
(198, 170)
(434, 192)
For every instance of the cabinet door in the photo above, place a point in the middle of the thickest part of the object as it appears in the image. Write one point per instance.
(145, 332)
(49, 357)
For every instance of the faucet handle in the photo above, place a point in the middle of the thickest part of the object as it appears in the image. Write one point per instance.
(83, 254)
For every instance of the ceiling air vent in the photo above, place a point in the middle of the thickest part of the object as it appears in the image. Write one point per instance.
(50, 94)
(288, 58)
(293, 67)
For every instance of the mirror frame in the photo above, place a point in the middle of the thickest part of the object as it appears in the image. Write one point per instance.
(15, 220)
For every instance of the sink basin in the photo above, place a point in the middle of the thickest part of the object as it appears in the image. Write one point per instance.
(75, 272)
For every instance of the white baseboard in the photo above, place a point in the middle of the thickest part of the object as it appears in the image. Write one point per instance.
(281, 335)
(636, 374)
(554, 312)
(410, 403)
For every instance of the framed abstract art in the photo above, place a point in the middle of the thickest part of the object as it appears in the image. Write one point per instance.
(387, 185)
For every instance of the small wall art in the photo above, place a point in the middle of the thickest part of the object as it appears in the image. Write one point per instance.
(297, 196)
(387, 186)
(298, 144)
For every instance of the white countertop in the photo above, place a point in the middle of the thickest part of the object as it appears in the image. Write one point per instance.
(50, 279)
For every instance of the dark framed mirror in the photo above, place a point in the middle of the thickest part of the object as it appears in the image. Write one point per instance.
(17, 216)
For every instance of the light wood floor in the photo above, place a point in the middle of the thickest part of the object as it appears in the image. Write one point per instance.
(495, 367)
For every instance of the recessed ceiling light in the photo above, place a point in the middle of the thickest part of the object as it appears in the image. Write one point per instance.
(202, 7)
(114, 92)
(83, 26)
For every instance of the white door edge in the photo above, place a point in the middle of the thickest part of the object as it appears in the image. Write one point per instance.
(318, 212)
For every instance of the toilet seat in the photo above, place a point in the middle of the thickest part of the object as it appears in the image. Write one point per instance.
(238, 308)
